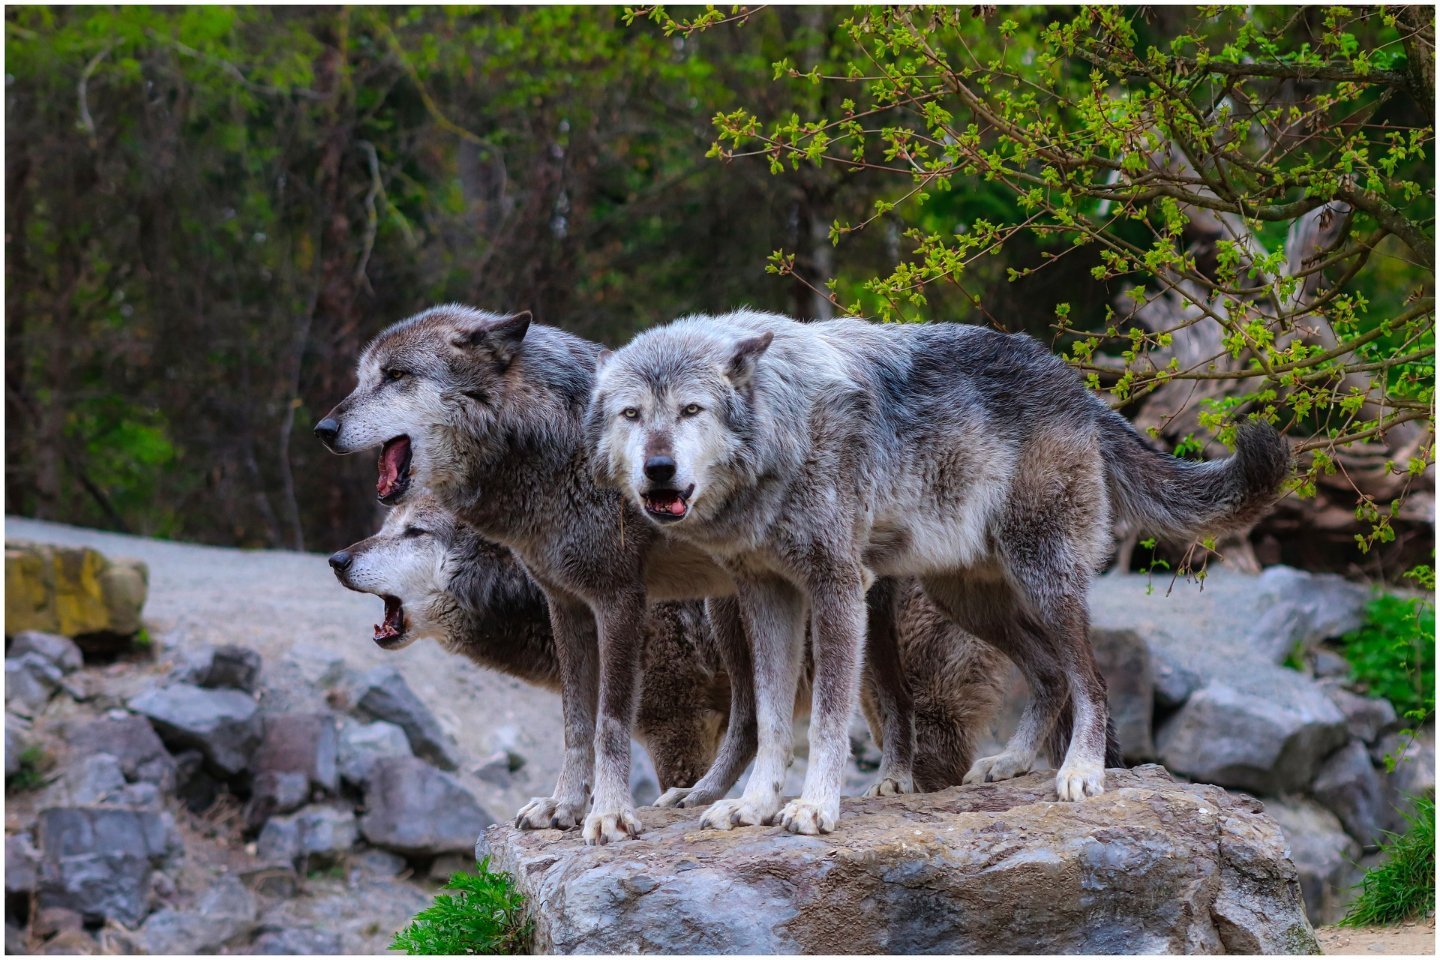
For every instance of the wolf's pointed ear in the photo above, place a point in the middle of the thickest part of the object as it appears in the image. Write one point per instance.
(501, 337)
(603, 358)
(741, 368)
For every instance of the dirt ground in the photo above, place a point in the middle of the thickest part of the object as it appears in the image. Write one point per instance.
(1415, 939)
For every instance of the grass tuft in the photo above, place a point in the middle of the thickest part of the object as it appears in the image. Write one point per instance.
(484, 916)
(1403, 887)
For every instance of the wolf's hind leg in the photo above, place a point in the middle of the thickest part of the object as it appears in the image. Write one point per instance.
(774, 616)
(738, 747)
(890, 690)
(575, 648)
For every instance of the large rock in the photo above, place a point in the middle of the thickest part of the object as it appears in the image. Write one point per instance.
(86, 781)
(1267, 739)
(1124, 662)
(227, 666)
(1324, 856)
(1412, 776)
(382, 694)
(295, 759)
(361, 744)
(298, 941)
(318, 836)
(61, 651)
(98, 860)
(132, 741)
(414, 809)
(73, 591)
(1366, 718)
(22, 861)
(1150, 866)
(1349, 787)
(224, 725)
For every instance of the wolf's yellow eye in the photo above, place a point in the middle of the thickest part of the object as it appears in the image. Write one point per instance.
(630, 413)
(691, 409)
(393, 375)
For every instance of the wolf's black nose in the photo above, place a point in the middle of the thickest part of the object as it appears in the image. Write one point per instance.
(660, 469)
(327, 430)
(341, 560)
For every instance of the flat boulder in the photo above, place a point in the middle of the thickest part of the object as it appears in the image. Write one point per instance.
(132, 741)
(75, 592)
(61, 651)
(224, 725)
(361, 744)
(414, 809)
(1150, 866)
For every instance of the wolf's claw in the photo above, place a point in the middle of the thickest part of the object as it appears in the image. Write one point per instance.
(891, 786)
(674, 797)
(1002, 766)
(603, 828)
(543, 812)
(1079, 780)
(728, 814)
(802, 816)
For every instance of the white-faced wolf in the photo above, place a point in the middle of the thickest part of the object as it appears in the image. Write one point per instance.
(439, 579)
(486, 411)
(810, 458)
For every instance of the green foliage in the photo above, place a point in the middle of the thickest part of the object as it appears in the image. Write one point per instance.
(1393, 655)
(1403, 887)
(34, 763)
(484, 916)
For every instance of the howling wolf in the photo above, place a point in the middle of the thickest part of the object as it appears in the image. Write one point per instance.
(809, 459)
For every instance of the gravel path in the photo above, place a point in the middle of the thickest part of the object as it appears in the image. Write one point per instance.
(289, 607)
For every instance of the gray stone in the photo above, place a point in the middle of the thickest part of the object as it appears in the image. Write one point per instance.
(272, 880)
(98, 860)
(644, 781)
(85, 782)
(1323, 854)
(443, 868)
(222, 915)
(224, 725)
(15, 940)
(1174, 682)
(296, 758)
(1349, 787)
(361, 744)
(30, 681)
(1301, 609)
(380, 863)
(318, 836)
(1149, 866)
(1366, 718)
(61, 651)
(1328, 664)
(227, 667)
(300, 941)
(132, 741)
(14, 745)
(1413, 774)
(382, 694)
(22, 861)
(412, 808)
(1124, 662)
(1268, 740)
(495, 769)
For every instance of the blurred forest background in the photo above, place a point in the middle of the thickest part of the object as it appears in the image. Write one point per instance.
(210, 209)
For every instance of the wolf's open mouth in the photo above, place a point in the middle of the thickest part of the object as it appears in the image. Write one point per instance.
(394, 470)
(668, 505)
(392, 630)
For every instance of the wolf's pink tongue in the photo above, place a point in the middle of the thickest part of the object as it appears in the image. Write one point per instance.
(392, 455)
(677, 507)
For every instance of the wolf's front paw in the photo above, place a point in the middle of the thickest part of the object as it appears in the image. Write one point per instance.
(891, 785)
(728, 814)
(674, 797)
(611, 827)
(1079, 780)
(1002, 766)
(802, 816)
(548, 813)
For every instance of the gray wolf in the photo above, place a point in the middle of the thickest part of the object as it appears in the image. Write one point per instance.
(486, 412)
(809, 459)
(439, 579)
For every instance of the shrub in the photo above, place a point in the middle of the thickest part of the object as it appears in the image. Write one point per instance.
(484, 916)
(1393, 655)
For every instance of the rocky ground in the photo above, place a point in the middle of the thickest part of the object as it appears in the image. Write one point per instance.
(286, 775)
(1416, 939)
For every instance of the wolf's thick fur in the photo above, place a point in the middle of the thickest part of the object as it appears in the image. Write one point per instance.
(492, 408)
(810, 458)
(475, 599)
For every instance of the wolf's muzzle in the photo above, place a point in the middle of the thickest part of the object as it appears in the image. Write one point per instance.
(340, 561)
(660, 469)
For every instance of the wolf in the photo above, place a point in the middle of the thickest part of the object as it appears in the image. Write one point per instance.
(486, 411)
(439, 579)
(809, 459)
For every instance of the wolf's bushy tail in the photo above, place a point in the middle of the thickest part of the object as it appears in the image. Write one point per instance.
(1171, 497)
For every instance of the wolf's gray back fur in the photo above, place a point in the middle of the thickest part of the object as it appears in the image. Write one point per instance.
(811, 457)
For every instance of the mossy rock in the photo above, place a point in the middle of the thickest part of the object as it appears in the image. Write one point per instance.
(73, 591)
